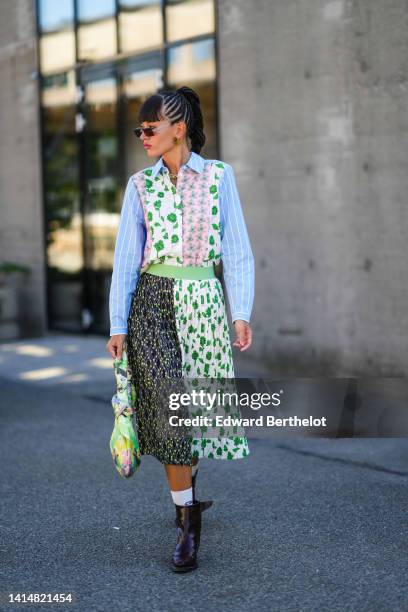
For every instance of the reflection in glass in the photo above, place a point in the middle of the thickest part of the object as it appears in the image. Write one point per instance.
(101, 170)
(186, 18)
(97, 29)
(137, 3)
(97, 40)
(59, 90)
(194, 64)
(55, 15)
(57, 51)
(63, 223)
(91, 10)
(140, 25)
(102, 199)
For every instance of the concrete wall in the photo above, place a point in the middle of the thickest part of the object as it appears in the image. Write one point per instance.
(21, 209)
(313, 102)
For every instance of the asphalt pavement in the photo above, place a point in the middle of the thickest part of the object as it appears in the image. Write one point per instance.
(302, 524)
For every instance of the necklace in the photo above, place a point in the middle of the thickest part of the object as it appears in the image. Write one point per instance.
(174, 176)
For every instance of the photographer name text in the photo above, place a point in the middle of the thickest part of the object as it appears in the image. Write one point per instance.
(260, 421)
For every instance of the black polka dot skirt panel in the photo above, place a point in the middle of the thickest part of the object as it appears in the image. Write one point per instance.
(154, 354)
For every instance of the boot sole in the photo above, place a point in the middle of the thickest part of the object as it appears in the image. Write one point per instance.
(182, 570)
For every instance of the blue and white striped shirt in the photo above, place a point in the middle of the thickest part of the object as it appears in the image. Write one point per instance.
(236, 254)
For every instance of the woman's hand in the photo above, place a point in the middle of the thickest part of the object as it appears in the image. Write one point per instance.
(243, 334)
(115, 345)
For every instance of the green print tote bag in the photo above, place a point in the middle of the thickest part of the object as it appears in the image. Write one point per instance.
(124, 443)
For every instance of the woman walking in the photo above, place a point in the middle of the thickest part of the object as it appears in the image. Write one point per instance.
(180, 217)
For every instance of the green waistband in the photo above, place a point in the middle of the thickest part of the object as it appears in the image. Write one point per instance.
(191, 272)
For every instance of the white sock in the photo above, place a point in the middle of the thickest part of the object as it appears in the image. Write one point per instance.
(194, 469)
(183, 498)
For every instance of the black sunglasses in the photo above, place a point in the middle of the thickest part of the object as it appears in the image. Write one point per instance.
(149, 131)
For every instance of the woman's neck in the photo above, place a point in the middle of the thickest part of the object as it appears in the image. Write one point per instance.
(175, 159)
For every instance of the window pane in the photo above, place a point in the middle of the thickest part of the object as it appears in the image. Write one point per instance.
(194, 64)
(91, 10)
(102, 198)
(63, 222)
(137, 3)
(142, 28)
(186, 18)
(57, 51)
(55, 15)
(97, 40)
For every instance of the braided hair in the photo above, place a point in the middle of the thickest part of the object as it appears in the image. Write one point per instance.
(182, 104)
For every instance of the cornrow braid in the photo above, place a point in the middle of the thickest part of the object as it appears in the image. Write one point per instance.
(182, 104)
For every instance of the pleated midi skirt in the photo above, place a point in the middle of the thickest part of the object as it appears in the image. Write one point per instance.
(178, 328)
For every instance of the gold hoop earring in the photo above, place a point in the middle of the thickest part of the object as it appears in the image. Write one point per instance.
(176, 140)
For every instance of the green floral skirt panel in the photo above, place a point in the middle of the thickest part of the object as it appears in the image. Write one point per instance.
(206, 353)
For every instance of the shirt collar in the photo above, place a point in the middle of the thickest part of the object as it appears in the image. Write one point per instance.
(196, 162)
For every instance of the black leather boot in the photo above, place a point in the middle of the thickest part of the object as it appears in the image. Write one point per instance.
(188, 518)
(204, 504)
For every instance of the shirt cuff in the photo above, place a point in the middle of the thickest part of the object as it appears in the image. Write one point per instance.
(116, 330)
(243, 316)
